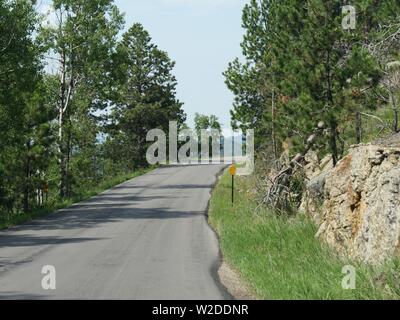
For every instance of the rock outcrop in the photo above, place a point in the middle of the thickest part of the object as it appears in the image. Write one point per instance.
(357, 203)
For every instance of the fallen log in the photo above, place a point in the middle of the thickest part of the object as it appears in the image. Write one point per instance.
(278, 192)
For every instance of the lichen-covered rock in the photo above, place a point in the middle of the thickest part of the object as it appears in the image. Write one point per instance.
(359, 211)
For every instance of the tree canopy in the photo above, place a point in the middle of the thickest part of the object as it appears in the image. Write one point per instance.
(302, 67)
(83, 120)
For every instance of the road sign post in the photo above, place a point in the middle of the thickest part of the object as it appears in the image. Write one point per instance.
(233, 188)
(232, 171)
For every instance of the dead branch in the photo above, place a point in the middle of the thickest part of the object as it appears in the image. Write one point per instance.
(278, 193)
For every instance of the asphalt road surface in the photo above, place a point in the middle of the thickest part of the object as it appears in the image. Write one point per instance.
(145, 239)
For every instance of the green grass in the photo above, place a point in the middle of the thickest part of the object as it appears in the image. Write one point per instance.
(16, 219)
(279, 256)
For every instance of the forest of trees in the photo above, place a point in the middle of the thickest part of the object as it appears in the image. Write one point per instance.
(65, 131)
(301, 67)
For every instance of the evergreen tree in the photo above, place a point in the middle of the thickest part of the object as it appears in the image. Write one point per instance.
(19, 76)
(146, 94)
(303, 67)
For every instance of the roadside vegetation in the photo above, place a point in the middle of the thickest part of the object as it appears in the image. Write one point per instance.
(306, 83)
(302, 65)
(279, 256)
(79, 90)
(311, 81)
(55, 203)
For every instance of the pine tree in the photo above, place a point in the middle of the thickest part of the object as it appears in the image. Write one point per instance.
(39, 137)
(19, 75)
(146, 94)
(303, 67)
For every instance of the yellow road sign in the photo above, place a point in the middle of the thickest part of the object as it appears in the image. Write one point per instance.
(232, 170)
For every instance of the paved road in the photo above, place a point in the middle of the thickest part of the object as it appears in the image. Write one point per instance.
(145, 239)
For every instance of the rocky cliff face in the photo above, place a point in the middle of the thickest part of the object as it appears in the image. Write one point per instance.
(357, 203)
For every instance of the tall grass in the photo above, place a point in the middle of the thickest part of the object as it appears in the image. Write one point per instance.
(280, 257)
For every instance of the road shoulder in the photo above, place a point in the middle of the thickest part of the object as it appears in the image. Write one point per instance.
(230, 279)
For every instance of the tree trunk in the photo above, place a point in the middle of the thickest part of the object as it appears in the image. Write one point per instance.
(68, 158)
(27, 178)
(61, 143)
(333, 141)
(332, 120)
(63, 171)
(396, 113)
(358, 127)
(273, 133)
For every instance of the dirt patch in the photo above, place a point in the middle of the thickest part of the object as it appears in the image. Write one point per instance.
(235, 285)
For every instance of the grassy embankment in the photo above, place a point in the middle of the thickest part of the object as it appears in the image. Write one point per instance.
(280, 258)
(7, 221)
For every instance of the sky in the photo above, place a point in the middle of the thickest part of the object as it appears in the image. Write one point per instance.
(202, 37)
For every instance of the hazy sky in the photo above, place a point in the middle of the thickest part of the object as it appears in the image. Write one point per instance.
(202, 36)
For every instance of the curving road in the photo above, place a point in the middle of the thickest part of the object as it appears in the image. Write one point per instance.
(145, 239)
